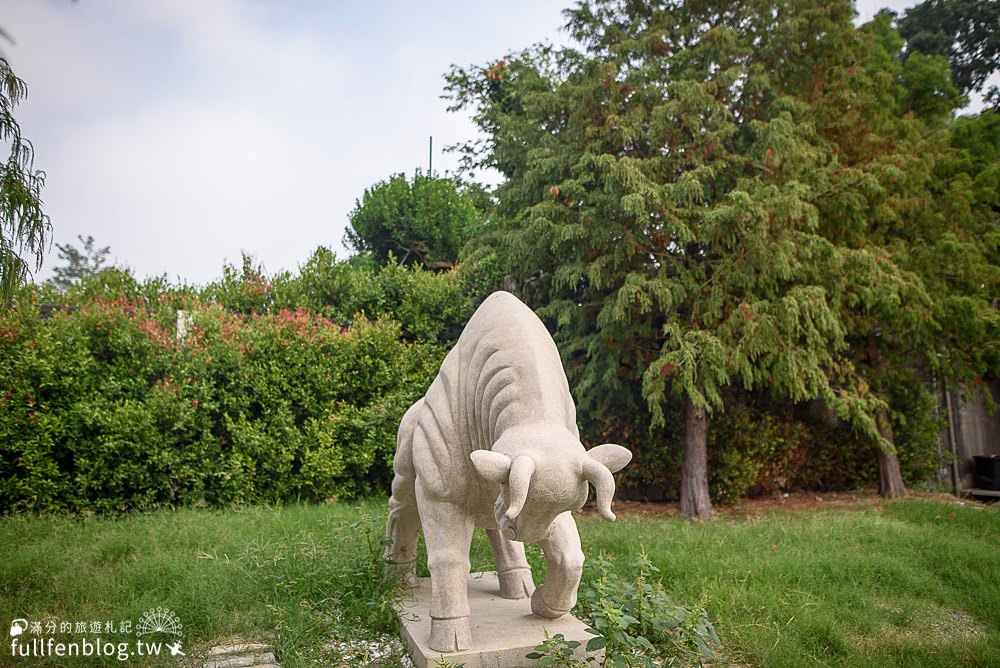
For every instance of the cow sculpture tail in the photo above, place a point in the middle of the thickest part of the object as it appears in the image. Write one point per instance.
(404, 519)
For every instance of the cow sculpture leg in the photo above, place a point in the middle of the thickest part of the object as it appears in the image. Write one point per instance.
(402, 529)
(448, 535)
(513, 570)
(404, 517)
(564, 560)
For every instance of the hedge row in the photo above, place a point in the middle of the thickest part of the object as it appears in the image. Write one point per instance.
(104, 409)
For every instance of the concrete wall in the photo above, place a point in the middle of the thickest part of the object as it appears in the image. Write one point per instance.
(977, 431)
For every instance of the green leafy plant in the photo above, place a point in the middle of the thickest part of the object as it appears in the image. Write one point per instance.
(556, 651)
(752, 450)
(636, 623)
(445, 663)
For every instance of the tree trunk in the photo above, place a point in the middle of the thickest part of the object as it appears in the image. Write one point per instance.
(695, 501)
(890, 480)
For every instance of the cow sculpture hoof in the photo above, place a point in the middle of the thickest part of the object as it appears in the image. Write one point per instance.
(542, 609)
(450, 635)
(516, 583)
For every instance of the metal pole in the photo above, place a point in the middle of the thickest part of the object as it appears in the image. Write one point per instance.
(430, 158)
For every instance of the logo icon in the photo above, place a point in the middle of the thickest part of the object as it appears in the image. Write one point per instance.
(159, 620)
(175, 649)
(17, 627)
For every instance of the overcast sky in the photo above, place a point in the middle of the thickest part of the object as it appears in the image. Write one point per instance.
(183, 132)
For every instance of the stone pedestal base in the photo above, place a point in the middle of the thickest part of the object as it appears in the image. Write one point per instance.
(504, 632)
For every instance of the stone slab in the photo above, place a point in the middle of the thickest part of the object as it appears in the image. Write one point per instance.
(241, 661)
(239, 648)
(504, 631)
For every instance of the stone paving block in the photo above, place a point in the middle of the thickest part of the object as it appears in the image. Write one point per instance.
(240, 661)
(239, 648)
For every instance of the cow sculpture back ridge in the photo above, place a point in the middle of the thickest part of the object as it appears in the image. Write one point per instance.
(494, 443)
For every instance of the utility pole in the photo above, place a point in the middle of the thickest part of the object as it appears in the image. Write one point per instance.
(430, 158)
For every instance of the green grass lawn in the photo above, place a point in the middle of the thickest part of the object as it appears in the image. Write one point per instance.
(905, 583)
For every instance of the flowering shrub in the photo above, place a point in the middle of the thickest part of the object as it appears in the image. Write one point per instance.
(429, 306)
(105, 409)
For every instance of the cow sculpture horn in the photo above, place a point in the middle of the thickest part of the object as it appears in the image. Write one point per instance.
(520, 478)
(600, 477)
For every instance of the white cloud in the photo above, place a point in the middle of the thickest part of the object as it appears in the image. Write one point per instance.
(177, 185)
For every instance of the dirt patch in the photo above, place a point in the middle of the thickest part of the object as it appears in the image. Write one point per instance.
(930, 626)
(790, 502)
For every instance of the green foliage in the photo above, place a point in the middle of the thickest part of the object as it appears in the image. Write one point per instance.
(831, 456)
(636, 622)
(79, 263)
(114, 283)
(246, 289)
(762, 448)
(657, 452)
(426, 221)
(753, 451)
(962, 259)
(665, 216)
(926, 89)
(263, 400)
(445, 663)
(430, 306)
(917, 427)
(759, 447)
(756, 199)
(963, 31)
(480, 273)
(105, 409)
(900, 583)
(24, 227)
(556, 651)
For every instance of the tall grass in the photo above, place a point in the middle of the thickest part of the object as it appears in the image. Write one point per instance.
(907, 583)
(296, 576)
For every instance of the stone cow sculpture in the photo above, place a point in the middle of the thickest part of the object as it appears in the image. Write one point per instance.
(494, 443)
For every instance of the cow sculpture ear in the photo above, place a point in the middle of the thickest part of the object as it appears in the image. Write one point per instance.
(492, 466)
(615, 457)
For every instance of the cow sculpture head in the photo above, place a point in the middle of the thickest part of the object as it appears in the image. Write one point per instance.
(539, 483)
